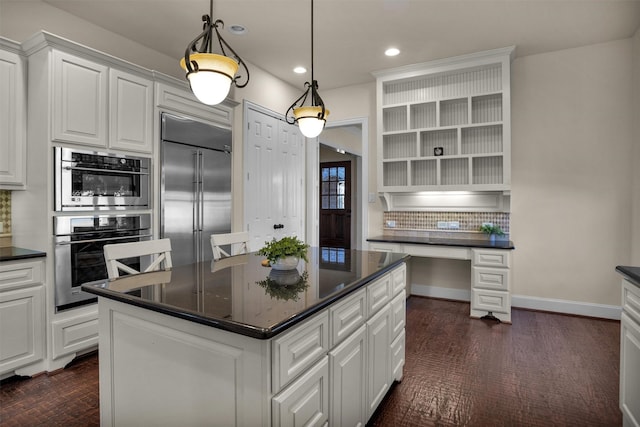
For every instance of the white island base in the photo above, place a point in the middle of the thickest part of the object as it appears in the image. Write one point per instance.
(333, 368)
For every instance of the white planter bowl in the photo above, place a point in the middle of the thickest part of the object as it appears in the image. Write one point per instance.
(288, 263)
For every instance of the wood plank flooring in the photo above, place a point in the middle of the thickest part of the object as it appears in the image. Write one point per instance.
(543, 370)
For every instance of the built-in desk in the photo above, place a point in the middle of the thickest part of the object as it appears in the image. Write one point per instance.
(490, 266)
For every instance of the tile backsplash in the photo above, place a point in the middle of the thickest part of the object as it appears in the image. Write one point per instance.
(5, 211)
(469, 221)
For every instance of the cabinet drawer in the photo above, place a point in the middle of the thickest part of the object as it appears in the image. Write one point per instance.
(438, 251)
(378, 294)
(491, 278)
(490, 300)
(398, 279)
(398, 314)
(17, 274)
(631, 300)
(297, 350)
(306, 401)
(491, 258)
(347, 316)
(385, 247)
(75, 334)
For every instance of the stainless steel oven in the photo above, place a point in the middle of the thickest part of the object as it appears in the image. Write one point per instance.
(91, 180)
(79, 256)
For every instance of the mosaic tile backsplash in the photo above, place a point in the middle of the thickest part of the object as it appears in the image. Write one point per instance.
(5, 210)
(469, 221)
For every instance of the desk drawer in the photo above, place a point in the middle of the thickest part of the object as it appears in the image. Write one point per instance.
(491, 258)
(631, 300)
(491, 278)
(490, 300)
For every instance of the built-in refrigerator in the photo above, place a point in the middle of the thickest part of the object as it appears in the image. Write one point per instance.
(195, 187)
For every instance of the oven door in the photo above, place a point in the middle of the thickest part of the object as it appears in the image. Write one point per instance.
(101, 184)
(80, 259)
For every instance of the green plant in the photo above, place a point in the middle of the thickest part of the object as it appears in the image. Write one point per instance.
(492, 229)
(285, 247)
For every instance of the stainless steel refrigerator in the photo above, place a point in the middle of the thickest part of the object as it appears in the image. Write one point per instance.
(196, 186)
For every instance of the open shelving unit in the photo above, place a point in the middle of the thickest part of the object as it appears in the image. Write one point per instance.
(446, 124)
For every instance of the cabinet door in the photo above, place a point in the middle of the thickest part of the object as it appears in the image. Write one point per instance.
(131, 112)
(13, 123)
(378, 358)
(347, 369)
(79, 100)
(21, 327)
(629, 374)
(306, 401)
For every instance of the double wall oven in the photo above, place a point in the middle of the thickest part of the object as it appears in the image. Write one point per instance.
(97, 200)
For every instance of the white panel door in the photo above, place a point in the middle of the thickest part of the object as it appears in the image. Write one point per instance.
(274, 179)
(13, 122)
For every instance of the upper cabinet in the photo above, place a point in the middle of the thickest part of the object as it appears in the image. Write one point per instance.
(13, 117)
(446, 124)
(95, 100)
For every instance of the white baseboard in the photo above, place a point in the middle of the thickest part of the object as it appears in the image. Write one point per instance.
(522, 301)
(567, 307)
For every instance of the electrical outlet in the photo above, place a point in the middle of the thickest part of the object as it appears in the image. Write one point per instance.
(391, 224)
(443, 224)
(454, 225)
(488, 224)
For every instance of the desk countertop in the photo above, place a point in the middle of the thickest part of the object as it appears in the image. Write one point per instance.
(239, 295)
(439, 241)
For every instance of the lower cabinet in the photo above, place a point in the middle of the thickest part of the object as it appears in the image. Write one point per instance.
(306, 401)
(379, 360)
(348, 368)
(490, 284)
(22, 316)
(630, 355)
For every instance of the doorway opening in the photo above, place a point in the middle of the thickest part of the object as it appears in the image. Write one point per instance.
(335, 202)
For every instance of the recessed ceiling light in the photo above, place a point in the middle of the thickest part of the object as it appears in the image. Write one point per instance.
(300, 70)
(237, 29)
(392, 51)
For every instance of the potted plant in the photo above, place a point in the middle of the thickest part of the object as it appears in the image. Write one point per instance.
(492, 231)
(284, 254)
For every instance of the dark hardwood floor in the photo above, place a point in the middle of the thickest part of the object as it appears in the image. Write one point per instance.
(543, 370)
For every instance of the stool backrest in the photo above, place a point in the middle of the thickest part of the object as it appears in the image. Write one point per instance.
(160, 250)
(239, 244)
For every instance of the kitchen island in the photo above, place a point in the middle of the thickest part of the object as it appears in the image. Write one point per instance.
(245, 345)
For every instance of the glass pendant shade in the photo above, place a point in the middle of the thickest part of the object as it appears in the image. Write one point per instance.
(307, 117)
(211, 79)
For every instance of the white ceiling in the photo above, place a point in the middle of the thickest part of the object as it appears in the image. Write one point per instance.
(351, 35)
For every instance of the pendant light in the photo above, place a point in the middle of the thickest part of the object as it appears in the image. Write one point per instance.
(312, 118)
(210, 75)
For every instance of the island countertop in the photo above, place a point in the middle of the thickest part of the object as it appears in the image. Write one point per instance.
(240, 295)
(440, 241)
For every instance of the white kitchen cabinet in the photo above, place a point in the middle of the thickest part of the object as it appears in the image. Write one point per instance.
(13, 117)
(347, 316)
(22, 316)
(378, 358)
(446, 124)
(348, 368)
(306, 401)
(490, 283)
(74, 331)
(79, 110)
(131, 112)
(630, 355)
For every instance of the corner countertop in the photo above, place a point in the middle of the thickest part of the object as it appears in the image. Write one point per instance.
(439, 241)
(632, 274)
(13, 253)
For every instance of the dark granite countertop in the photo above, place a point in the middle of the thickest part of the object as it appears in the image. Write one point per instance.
(439, 241)
(12, 253)
(632, 274)
(238, 294)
